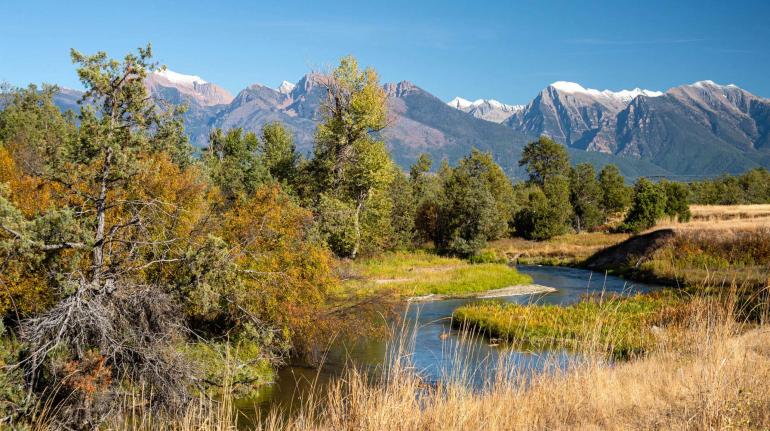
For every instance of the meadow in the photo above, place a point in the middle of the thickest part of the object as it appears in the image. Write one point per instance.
(684, 359)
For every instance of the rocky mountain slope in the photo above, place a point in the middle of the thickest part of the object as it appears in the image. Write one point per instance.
(698, 129)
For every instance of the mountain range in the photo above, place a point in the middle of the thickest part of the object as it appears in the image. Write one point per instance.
(699, 129)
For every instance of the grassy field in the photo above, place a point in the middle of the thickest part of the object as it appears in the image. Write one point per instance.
(720, 217)
(572, 249)
(622, 326)
(422, 273)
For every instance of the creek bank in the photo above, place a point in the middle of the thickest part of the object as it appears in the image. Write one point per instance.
(523, 289)
(626, 258)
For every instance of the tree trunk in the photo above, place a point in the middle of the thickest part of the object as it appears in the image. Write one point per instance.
(357, 224)
(101, 205)
(357, 229)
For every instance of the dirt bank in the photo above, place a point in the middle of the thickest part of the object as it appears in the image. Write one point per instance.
(630, 253)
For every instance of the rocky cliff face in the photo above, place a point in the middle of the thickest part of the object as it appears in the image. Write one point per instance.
(697, 128)
(575, 116)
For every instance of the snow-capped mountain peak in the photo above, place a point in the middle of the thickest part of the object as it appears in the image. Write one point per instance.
(624, 95)
(286, 87)
(460, 103)
(571, 87)
(486, 109)
(179, 78)
(709, 83)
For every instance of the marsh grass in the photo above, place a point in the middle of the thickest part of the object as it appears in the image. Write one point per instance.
(621, 326)
(714, 258)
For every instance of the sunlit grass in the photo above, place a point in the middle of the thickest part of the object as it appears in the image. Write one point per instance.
(404, 264)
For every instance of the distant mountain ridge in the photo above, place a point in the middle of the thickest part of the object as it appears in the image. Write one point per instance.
(486, 109)
(695, 129)
(698, 129)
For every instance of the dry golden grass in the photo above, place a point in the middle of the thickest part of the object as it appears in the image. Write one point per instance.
(720, 385)
(701, 212)
(715, 258)
(718, 217)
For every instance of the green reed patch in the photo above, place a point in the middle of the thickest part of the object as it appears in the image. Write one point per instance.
(622, 326)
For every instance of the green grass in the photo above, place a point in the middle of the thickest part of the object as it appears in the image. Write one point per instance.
(422, 273)
(621, 326)
(402, 264)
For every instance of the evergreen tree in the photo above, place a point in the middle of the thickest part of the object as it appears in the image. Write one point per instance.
(234, 163)
(421, 166)
(404, 200)
(476, 205)
(428, 194)
(279, 154)
(120, 208)
(677, 204)
(547, 211)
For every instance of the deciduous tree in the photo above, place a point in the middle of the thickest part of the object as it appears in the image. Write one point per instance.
(616, 197)
(585, 197)
(350, 162)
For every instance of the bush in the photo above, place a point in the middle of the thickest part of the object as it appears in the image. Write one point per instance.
(487, 256)
(648, 206)
(547, 213)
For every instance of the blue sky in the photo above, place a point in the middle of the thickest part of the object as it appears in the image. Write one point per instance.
(507, 50)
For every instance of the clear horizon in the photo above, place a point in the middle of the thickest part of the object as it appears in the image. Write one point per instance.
(500, 50)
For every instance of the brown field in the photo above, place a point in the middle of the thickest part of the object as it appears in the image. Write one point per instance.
(709, 217)
(563, 249)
